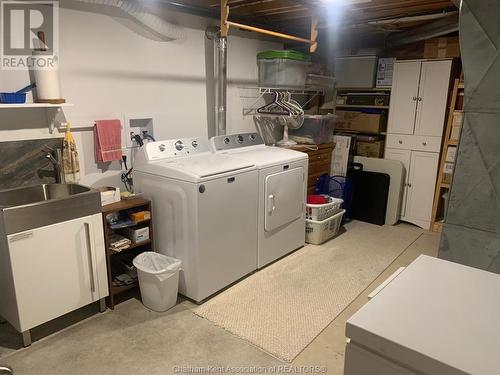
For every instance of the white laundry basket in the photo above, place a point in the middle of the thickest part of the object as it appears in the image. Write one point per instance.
(318, 232)
(158, 280)
(320, 212)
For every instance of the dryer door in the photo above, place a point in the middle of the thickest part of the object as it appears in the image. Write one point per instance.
(284, 195)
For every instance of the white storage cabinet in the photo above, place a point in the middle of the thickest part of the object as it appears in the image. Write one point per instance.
(415, 128)
(55, 269)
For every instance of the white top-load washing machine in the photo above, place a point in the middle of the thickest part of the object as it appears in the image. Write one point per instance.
(205, 210)
(282, 192)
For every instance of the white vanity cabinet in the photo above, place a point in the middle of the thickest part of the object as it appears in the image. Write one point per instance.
(53, 270)
(414, 131)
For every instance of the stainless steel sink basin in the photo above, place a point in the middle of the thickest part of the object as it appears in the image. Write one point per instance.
(40, 205)
(39, 193)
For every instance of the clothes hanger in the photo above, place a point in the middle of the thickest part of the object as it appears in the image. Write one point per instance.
(275, 107)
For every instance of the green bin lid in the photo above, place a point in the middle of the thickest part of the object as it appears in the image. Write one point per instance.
(287, 54)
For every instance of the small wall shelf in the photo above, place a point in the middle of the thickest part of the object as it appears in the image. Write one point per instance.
(53, 112)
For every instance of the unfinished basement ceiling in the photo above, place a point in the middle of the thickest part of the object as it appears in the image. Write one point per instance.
(365, 15)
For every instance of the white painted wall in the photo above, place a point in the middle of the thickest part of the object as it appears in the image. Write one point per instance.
(110, 71)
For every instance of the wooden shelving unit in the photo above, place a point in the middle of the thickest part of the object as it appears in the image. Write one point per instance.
(131, 205)
(362, 106)
(442, 186)
(384, 109)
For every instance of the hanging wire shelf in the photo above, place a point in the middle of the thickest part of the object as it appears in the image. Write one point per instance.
(255, 97)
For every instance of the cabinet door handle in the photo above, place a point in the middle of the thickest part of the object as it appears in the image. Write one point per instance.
(400, 142)
(414, 98)
(419, 99)
(424, 143)
(89, 253)
(409, 185)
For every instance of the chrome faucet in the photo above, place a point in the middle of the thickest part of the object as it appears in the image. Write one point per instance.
(55, 161)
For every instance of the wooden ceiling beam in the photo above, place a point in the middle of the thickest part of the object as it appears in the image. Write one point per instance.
(391, 13)
(267, 6)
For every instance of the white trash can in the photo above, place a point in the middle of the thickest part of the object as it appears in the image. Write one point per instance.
(158, 280)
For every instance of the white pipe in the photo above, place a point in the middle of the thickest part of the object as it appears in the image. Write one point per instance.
(149, 21)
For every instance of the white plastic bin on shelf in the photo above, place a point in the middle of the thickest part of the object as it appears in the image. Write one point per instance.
(158, 280)
(318, 232)
(320, 212)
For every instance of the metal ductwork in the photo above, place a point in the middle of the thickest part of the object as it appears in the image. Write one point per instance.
(220, 78)
(434, 29)
(151, 22)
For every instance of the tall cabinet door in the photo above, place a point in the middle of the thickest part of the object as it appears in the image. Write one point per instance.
(421, 185)
(56, 269)
(432, 97)
(403, 156)
(404, 97)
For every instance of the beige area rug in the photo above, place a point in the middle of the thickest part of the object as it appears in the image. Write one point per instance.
(283, 307)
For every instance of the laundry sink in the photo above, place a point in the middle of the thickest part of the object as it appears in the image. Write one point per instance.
(40, 205)
(39, 193)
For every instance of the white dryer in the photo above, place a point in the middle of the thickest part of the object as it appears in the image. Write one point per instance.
(205, 210)
(282, 192)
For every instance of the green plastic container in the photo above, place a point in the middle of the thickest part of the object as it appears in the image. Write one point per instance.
(282, 68)
(286, 54)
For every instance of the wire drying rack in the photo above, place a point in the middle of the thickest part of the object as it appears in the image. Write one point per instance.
(255, 97)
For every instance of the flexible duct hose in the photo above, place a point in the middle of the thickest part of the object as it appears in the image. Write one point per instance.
(149, 21)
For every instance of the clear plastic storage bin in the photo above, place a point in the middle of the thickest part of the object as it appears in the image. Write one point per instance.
(316, 130)
(282, 68)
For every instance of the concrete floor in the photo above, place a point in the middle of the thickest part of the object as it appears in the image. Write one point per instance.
(134, 340)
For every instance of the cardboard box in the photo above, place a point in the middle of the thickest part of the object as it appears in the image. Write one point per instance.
(109, 195)
(140, 216)
(451, 154)
(442, 47)
(341, 154)
(385, 71)
(373, 149)
(448, 172)
(361, 122)
(138, 234)
(408, 51)
(458, 120)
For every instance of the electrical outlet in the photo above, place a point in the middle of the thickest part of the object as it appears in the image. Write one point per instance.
(137, 125)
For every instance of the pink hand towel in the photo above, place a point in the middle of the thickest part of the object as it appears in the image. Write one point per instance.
(107, 140)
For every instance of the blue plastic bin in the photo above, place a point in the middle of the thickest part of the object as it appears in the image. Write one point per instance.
(12, 97)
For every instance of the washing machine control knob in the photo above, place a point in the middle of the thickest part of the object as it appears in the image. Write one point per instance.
(161, 147)
(179, 145)
(194, 144)
(227, 140)
(252, 137)
(239, 139)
